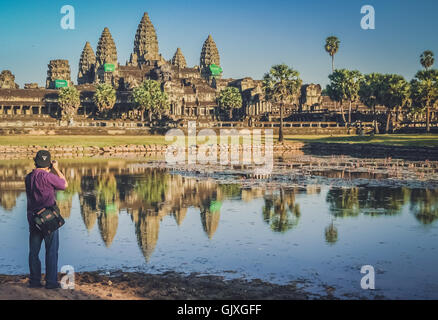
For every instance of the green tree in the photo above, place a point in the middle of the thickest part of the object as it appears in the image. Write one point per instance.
(281, 85)
(104, 98)
(395, 94)
(332, 47)
(427, 59)
(424, 92)
(69, 102)
(230, 99)
(370, 93)
(344, 87)
(149, 96)
(281, 211)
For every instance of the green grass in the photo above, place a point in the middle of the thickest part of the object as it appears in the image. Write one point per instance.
(428, 140)
(420, 140)
(83, 141)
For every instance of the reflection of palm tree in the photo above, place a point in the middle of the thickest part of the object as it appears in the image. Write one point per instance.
(153, 187)
(281, 212)
(373, 201)
(424, 204)
(344, 202)
(231, 190)
(331, 234)
(391, 200)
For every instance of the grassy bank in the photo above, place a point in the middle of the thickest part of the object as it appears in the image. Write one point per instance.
(83, 141)
(424, 140)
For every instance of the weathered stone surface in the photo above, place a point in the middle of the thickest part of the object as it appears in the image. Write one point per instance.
(31, 86)
(146, 43)
(7, 80)
(106, 54)
(87, 65)
(310, 96)
(209, 56)
(58, 70)
(178, 59)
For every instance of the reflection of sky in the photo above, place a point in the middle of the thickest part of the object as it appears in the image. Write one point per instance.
(402, 250)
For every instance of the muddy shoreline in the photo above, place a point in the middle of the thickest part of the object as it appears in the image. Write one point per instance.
(167, 286)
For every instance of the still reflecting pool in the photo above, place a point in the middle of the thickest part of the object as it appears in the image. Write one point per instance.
(120, 215)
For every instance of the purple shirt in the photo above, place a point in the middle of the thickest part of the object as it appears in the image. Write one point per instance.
(40, 190)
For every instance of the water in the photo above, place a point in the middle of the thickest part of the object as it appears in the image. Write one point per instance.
(123, 215)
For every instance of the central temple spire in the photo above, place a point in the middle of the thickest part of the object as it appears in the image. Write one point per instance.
(106, 58)
(146, 42)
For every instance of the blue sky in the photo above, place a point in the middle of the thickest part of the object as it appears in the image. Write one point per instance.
(250, 35)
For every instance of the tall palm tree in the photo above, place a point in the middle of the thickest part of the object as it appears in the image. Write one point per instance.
(344, 87)
(150, 96)
(281, 85)
(69, 102)
(424, 92)
(332, 46)
(104, 98)
(427, 59)
(370, 93)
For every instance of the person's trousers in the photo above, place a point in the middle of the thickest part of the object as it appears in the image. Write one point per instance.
(52, 244)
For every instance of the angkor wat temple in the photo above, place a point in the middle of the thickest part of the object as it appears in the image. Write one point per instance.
(192, 91)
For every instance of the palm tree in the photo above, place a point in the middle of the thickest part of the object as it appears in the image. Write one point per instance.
(69, 101)
(332, 46)
(344, 87)
(395, 94)
(370, 93)
(149, 96)
(104, 98)
(281, 85)
(424, 92)
(230, 98)
(427, 59)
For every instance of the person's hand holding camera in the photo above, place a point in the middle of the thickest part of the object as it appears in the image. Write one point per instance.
(55, 165)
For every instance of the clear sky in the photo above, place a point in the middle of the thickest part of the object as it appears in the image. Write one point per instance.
(251, 35)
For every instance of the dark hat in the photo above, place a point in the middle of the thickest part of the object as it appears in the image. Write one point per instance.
(43, 159)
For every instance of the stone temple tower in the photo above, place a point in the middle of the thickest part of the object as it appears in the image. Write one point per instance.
(178, 59)
(209, 56)
(145, 44)
(106, 68)
(58, 74)
(87, 65)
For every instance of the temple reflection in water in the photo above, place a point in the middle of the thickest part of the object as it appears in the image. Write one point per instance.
(106, 188)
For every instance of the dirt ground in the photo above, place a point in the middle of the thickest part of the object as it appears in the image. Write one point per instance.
(139, 286)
